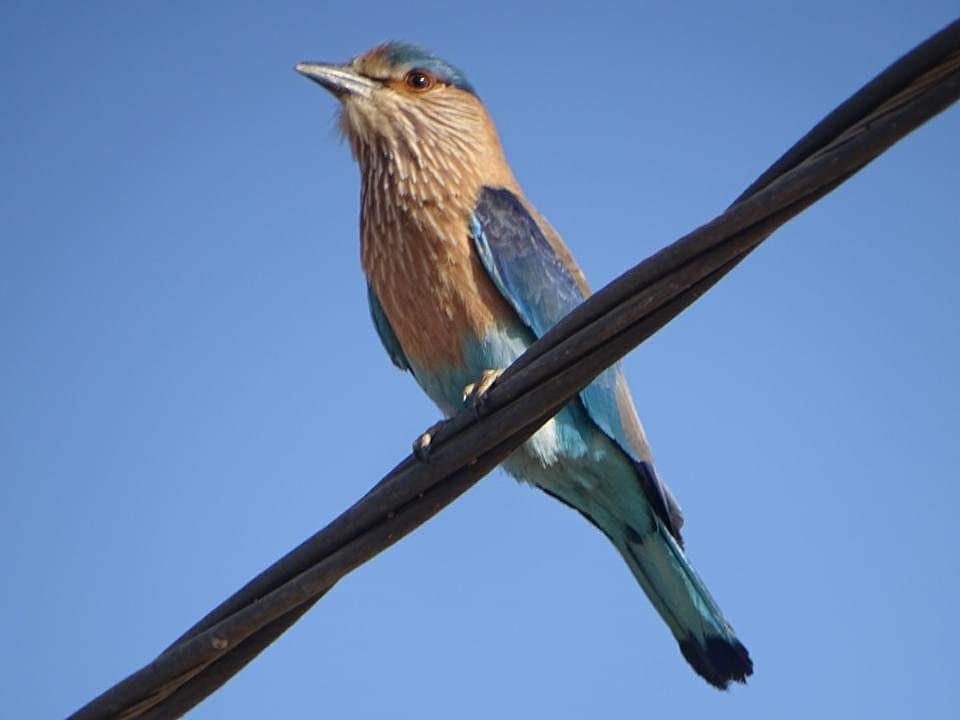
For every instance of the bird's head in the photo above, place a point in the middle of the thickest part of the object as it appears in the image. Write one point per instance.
(403, 105)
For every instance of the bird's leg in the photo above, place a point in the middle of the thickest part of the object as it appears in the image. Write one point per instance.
(475, 393)
(421, 446)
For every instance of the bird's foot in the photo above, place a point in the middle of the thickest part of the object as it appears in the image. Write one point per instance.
(421, 446)
(475, 393)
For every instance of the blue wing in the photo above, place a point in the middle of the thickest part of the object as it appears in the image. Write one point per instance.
(533, 274)
(387, 336)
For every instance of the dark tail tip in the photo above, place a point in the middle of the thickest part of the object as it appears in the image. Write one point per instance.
(718, 661)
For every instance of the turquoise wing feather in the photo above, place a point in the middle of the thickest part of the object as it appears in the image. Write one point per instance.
(533, 276)
(387, 336)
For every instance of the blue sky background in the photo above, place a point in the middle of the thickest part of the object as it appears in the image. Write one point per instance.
(190, 385)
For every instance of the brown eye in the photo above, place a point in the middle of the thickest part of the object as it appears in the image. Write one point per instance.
(418, 80)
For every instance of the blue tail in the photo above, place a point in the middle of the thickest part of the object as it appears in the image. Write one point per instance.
(706, 640)
(613, 503)
(595, 477)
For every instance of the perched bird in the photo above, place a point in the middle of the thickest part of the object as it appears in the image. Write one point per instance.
(463, 274)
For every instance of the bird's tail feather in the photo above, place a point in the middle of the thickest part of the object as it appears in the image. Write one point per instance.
(706, 640)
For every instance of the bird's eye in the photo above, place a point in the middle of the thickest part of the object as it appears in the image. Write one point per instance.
(419, 80)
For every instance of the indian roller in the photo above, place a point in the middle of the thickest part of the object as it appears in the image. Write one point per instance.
(463, 274)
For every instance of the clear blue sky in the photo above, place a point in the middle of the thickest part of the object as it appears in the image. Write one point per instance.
(190, 384)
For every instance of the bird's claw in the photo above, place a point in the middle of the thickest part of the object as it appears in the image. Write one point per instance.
(421, 446)
(475, 393)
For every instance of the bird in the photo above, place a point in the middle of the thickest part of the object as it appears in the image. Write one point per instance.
(463, 274)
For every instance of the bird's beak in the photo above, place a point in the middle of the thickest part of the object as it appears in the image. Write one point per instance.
(341, 80)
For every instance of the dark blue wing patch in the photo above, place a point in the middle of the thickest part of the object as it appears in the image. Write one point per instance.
(532, 277)
(523, 265)
(387, 336)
